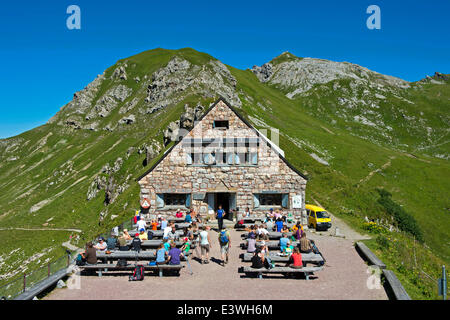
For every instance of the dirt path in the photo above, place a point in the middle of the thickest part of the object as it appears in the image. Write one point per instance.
(344, 277)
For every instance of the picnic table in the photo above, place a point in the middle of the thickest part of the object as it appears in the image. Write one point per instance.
(307, 271)
(306, 257)
(110, 267)
(273, 235)
(271, 245)
(127, 255)
(248, 225)
(155, 243)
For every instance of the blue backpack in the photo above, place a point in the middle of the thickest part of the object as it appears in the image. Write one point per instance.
(223, 237)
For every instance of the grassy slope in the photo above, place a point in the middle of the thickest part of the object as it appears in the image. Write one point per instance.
(418, 185)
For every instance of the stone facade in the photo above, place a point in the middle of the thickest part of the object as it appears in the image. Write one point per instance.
(178, 173)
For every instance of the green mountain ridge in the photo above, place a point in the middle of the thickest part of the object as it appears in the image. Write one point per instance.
(352, 131)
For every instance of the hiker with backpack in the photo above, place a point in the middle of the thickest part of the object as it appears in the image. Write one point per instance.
(225, 245)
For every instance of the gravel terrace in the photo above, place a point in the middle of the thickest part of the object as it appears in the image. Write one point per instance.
(344, 278)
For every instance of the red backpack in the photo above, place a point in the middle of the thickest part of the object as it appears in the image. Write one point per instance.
(138, 273)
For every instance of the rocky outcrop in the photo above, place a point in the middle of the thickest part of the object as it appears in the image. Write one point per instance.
(128, 119)
(297, 76)
(120, 72)
(98, 184)
(264, 72)
(172, 132)
(179, 78)
(109, 101)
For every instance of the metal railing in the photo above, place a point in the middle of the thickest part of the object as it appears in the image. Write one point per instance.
(14, 288)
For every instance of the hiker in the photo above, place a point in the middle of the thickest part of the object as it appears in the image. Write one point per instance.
(225, 245)
(163, 223)
(251, 243)
(305, 245)
(161, 254)
(136, 243)
(188, 217)
(143, 235)
(173, 235)
(186, 246)
(204, 245)
(247, 212)
(166, 244)
(111, 242)
(167, 229)
(284, 242)
(101, 245)
(90, 254)
(263, 234)
(188, 233)
(259, 261)
(141, 224)
(297, 231)
(123, 243)
(126, 235)
(285, 229)
(154, 225)
(270, 224)
(219, 215)
(174, 254)
(295, 260)
(179, 214)
(279, 224)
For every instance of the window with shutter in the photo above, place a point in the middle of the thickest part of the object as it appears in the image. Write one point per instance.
(160, 200)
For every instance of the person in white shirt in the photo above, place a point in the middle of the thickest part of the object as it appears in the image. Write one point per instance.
(167, 229)
(263, 233)
(101, 245)
(141, 224)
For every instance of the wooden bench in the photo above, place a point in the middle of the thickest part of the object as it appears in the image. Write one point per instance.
(271, 245)
(273, 235)
(306, 257)
(105, 267)
(148, 255)
(155, 243)
(307, 271)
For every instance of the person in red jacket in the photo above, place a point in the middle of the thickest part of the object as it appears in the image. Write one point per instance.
(295, 260)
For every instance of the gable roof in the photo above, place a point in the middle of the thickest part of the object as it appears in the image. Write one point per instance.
(259, 134)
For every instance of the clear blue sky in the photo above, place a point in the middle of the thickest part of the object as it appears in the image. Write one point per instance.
(43, 63)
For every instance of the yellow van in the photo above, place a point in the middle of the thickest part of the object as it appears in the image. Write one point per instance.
(318, 217)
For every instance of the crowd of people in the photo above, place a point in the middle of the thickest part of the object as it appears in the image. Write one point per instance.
(293, 241)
